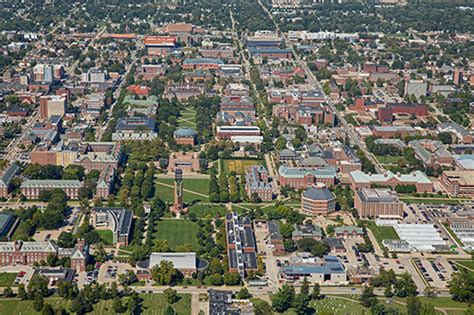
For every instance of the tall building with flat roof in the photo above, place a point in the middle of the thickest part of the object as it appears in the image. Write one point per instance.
(373, 203)
(52, 105)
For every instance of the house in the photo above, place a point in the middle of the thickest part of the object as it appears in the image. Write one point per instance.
(348, 231)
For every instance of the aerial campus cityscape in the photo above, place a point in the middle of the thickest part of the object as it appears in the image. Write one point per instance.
(237, 157)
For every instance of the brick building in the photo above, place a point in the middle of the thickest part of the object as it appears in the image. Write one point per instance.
(373, 203)
(318, 201)
(32, 188)
(458, 183)
(300, 178)
(185, 136)
(29, 253)
(360, 180)
(257, 182)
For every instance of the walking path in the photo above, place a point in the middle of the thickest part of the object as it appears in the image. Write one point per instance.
(186, 190)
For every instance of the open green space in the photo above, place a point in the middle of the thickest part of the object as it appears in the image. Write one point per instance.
(388, 159)
(465, 263)
(177, 232)
(106, 236)
(199, 185)
(440, 301)
(195, 190)
(238, 165)
(382, 232)
(153, 304)
(7, 278)
(339, 306)
(187, 118)
(202, 211)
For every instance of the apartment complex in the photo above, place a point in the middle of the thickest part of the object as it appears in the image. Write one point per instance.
(52, 105)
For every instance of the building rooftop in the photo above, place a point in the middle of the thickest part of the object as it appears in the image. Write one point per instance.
(180, 260)
(318, 193)
(307, 230)
(377, 195)
(414, 177)
(52, 183)
(293, 172)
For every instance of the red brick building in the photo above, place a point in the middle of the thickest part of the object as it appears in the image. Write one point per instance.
(318, 201)
(299, 178)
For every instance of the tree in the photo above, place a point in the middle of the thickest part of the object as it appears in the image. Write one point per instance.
(388, 291)
(244, 294)
(301, 304)
(461, 286)
(283, 299)
(118, 306)
(261, 307)
(38, 302)
(66, 240)
(316, 294)
(47, 309)
(231, 278)
(413, 306)
(67, 290)
(405, 286)
(169, 311)
(22, 292)
(171, 296)
(164, 273)
(38, 286)
(367, 297)
(100, 254)
(305, 288)
(8, 292)
(216, 279)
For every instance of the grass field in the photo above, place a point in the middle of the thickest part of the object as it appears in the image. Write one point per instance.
(7, 278)
(239, 166)
(106, 236)
(337, 306)
(388, 159)
(153, 304)
(200, 186)
(166, 194)
(187, 118)
(177, 232)
(382, 232)
(202, 211)
(465, 263)
(441, 302)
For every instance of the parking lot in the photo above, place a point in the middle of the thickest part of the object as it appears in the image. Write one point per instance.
(436, 272)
